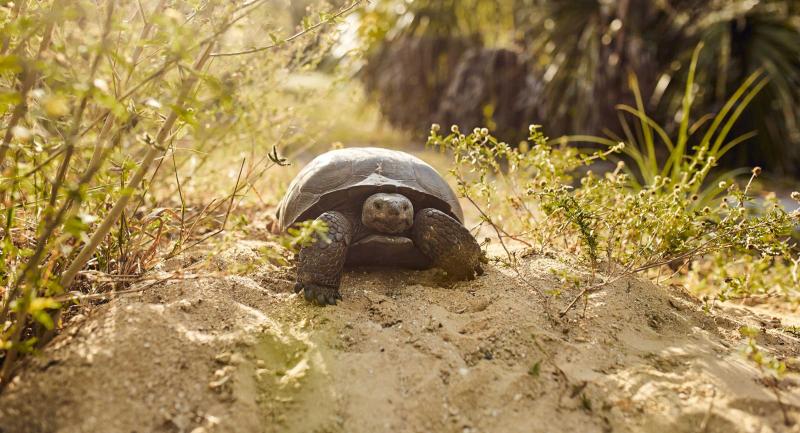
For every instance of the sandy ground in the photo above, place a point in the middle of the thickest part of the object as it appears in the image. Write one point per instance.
(403, 354)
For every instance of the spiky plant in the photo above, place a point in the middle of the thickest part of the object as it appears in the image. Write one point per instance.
(585, 49)
(581, 52)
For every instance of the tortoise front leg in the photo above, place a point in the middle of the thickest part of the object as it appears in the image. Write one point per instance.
(319, 270)
(447, 243)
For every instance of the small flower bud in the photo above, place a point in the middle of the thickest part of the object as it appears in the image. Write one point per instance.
(21, 133)
(722, 185)
(435, 127)
(756, 171)
(476, 131)
(796, 196)
(484, 132)
(100, 84)
(454, 129)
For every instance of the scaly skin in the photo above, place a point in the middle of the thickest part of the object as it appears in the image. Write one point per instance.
(319, 270)
(444, 240)
(447, 243)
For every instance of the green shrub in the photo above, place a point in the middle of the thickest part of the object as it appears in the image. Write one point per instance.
(620, 225)
(118, 115)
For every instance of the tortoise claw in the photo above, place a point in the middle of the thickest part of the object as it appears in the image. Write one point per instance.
(317, 294)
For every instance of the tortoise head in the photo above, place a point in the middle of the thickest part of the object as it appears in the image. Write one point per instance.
(387, 213)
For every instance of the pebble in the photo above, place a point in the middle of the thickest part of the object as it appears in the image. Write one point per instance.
(218, 383)
(236, 359)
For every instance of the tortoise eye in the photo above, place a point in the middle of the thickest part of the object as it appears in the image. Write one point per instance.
(378, 205)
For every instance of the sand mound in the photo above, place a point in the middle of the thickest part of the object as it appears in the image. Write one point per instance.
(402, 354)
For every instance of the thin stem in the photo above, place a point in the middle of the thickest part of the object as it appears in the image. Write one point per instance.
(307, 30)
(86, 252)
(31, 76)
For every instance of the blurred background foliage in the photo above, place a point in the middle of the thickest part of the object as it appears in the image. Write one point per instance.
(566, 64)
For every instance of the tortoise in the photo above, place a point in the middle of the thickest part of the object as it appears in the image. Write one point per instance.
(382, 208)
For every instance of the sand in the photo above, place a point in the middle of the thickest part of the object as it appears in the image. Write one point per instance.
(403, 353)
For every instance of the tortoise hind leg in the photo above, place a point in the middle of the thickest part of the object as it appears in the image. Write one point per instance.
(319, 270)
(447, 243)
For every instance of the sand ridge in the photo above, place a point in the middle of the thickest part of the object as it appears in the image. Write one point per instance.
(403, 353)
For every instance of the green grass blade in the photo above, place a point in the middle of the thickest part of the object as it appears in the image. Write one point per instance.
(731, 144)
(736, 113)
(700, 122)
(582, 138)
(729, 104)
(683, 132)
(649, 143)
(652, 123)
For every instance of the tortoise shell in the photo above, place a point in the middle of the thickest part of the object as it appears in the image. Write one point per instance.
(342, 179)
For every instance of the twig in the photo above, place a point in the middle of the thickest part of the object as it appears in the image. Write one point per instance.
(50, 224)
(78, 115)
(6, 39)
(224, 222)
(707, 417)
(31, 77)
(512, 259)
(170, 62)
(294, 36)
(111, 218)
(180, 195)
(84, 297)
(772, 384)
